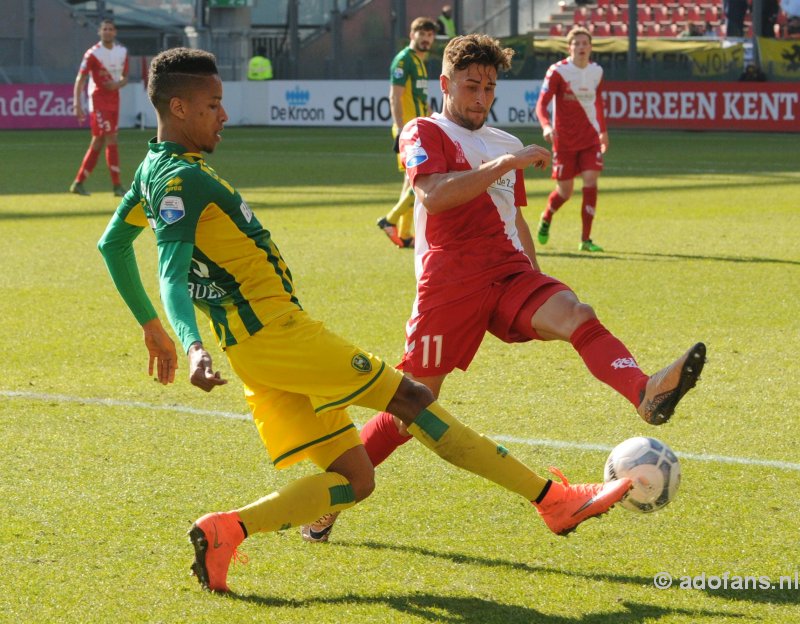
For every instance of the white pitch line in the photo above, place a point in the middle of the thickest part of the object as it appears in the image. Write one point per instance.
(558, 444)
(706, 457)
(62, 398)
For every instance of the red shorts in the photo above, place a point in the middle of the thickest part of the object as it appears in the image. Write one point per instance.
(567, 165)
(445, 337)
(104, 121)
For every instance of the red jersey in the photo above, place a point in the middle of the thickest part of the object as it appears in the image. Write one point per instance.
(578, 117)
(103, 65)
(466, 248)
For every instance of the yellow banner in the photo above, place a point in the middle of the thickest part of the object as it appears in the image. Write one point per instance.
(717, 61)
(780, 58)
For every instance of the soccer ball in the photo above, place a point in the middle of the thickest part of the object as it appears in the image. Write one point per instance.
(653, 468)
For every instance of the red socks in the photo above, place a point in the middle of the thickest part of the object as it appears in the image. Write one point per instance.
(112, 159)
(88, 164)
(609, 360)
(381, 437)
(587, 211)
(554, 202)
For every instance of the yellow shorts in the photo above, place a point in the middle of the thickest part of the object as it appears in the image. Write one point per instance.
(299, 378)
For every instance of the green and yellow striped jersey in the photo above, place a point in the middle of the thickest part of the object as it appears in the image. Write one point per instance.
(409, 71)
(237, 276)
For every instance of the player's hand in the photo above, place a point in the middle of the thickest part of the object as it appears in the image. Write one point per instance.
(161, 348)
(201, 373)
(534, 156)
(549, 134)
(78, 110)
(603, 142)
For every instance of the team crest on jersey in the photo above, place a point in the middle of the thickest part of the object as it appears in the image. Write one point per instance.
(171, 209)
(246, 212)
(398, 73)
(361, 363)
(415, 155)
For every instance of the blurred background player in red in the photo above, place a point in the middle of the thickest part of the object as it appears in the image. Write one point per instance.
(105, 67)
(577, 132)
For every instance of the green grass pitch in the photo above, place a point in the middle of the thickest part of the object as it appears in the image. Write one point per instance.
(104, 470)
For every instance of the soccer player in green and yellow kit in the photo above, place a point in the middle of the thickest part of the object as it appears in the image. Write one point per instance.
(408, 98)
(298, 377)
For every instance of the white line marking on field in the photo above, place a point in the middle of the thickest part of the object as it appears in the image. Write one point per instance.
(557, 444)
(62, 398)
(707, 457)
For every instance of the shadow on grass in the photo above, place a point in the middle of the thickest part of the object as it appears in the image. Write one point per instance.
(773, 596)
(472, 610)
(660, 257)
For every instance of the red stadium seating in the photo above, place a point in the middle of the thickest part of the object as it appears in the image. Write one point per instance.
(654, 18)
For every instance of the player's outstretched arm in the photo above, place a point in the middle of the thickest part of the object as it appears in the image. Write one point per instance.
(201, 372)
(162, 352)
(443, 191)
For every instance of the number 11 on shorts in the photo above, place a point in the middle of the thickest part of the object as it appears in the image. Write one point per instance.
(426, 350)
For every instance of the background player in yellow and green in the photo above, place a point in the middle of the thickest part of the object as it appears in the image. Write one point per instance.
(408, 98)
(298, 376)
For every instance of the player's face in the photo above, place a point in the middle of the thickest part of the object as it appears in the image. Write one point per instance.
(469, 95)
(422, 40)
(204, 116)
(579, 49)
(107, 33)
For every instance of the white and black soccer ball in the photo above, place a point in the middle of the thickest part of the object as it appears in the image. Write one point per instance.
(653, 468)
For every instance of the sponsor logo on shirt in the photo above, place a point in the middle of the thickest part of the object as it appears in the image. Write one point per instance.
(415, 155)
(175, 184)
(398, 73)
(246, 212)
(171, 209)
(460, 158)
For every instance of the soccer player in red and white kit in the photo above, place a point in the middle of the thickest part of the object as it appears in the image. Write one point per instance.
(105, 67)
(476, 265)
(577, 131)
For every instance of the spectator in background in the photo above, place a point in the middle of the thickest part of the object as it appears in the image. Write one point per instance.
(735, 10)
(792, 10)
(769, 17)
(260, 67)
(446, 25)
(105, 67)
(752, 73)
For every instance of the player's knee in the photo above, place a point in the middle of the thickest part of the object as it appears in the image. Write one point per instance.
(410, 399)
(583, 312)
(363, 484)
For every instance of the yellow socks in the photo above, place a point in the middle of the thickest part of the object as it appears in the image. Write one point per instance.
(405, 226)
(300, 502)
(402, 207)
(461, 446)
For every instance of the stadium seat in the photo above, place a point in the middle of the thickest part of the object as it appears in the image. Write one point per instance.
(602, 29)
(619, 30)
(581, 15)
(556, 30)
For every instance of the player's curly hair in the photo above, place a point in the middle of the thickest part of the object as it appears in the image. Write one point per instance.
(466, 50)
(175, 71)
